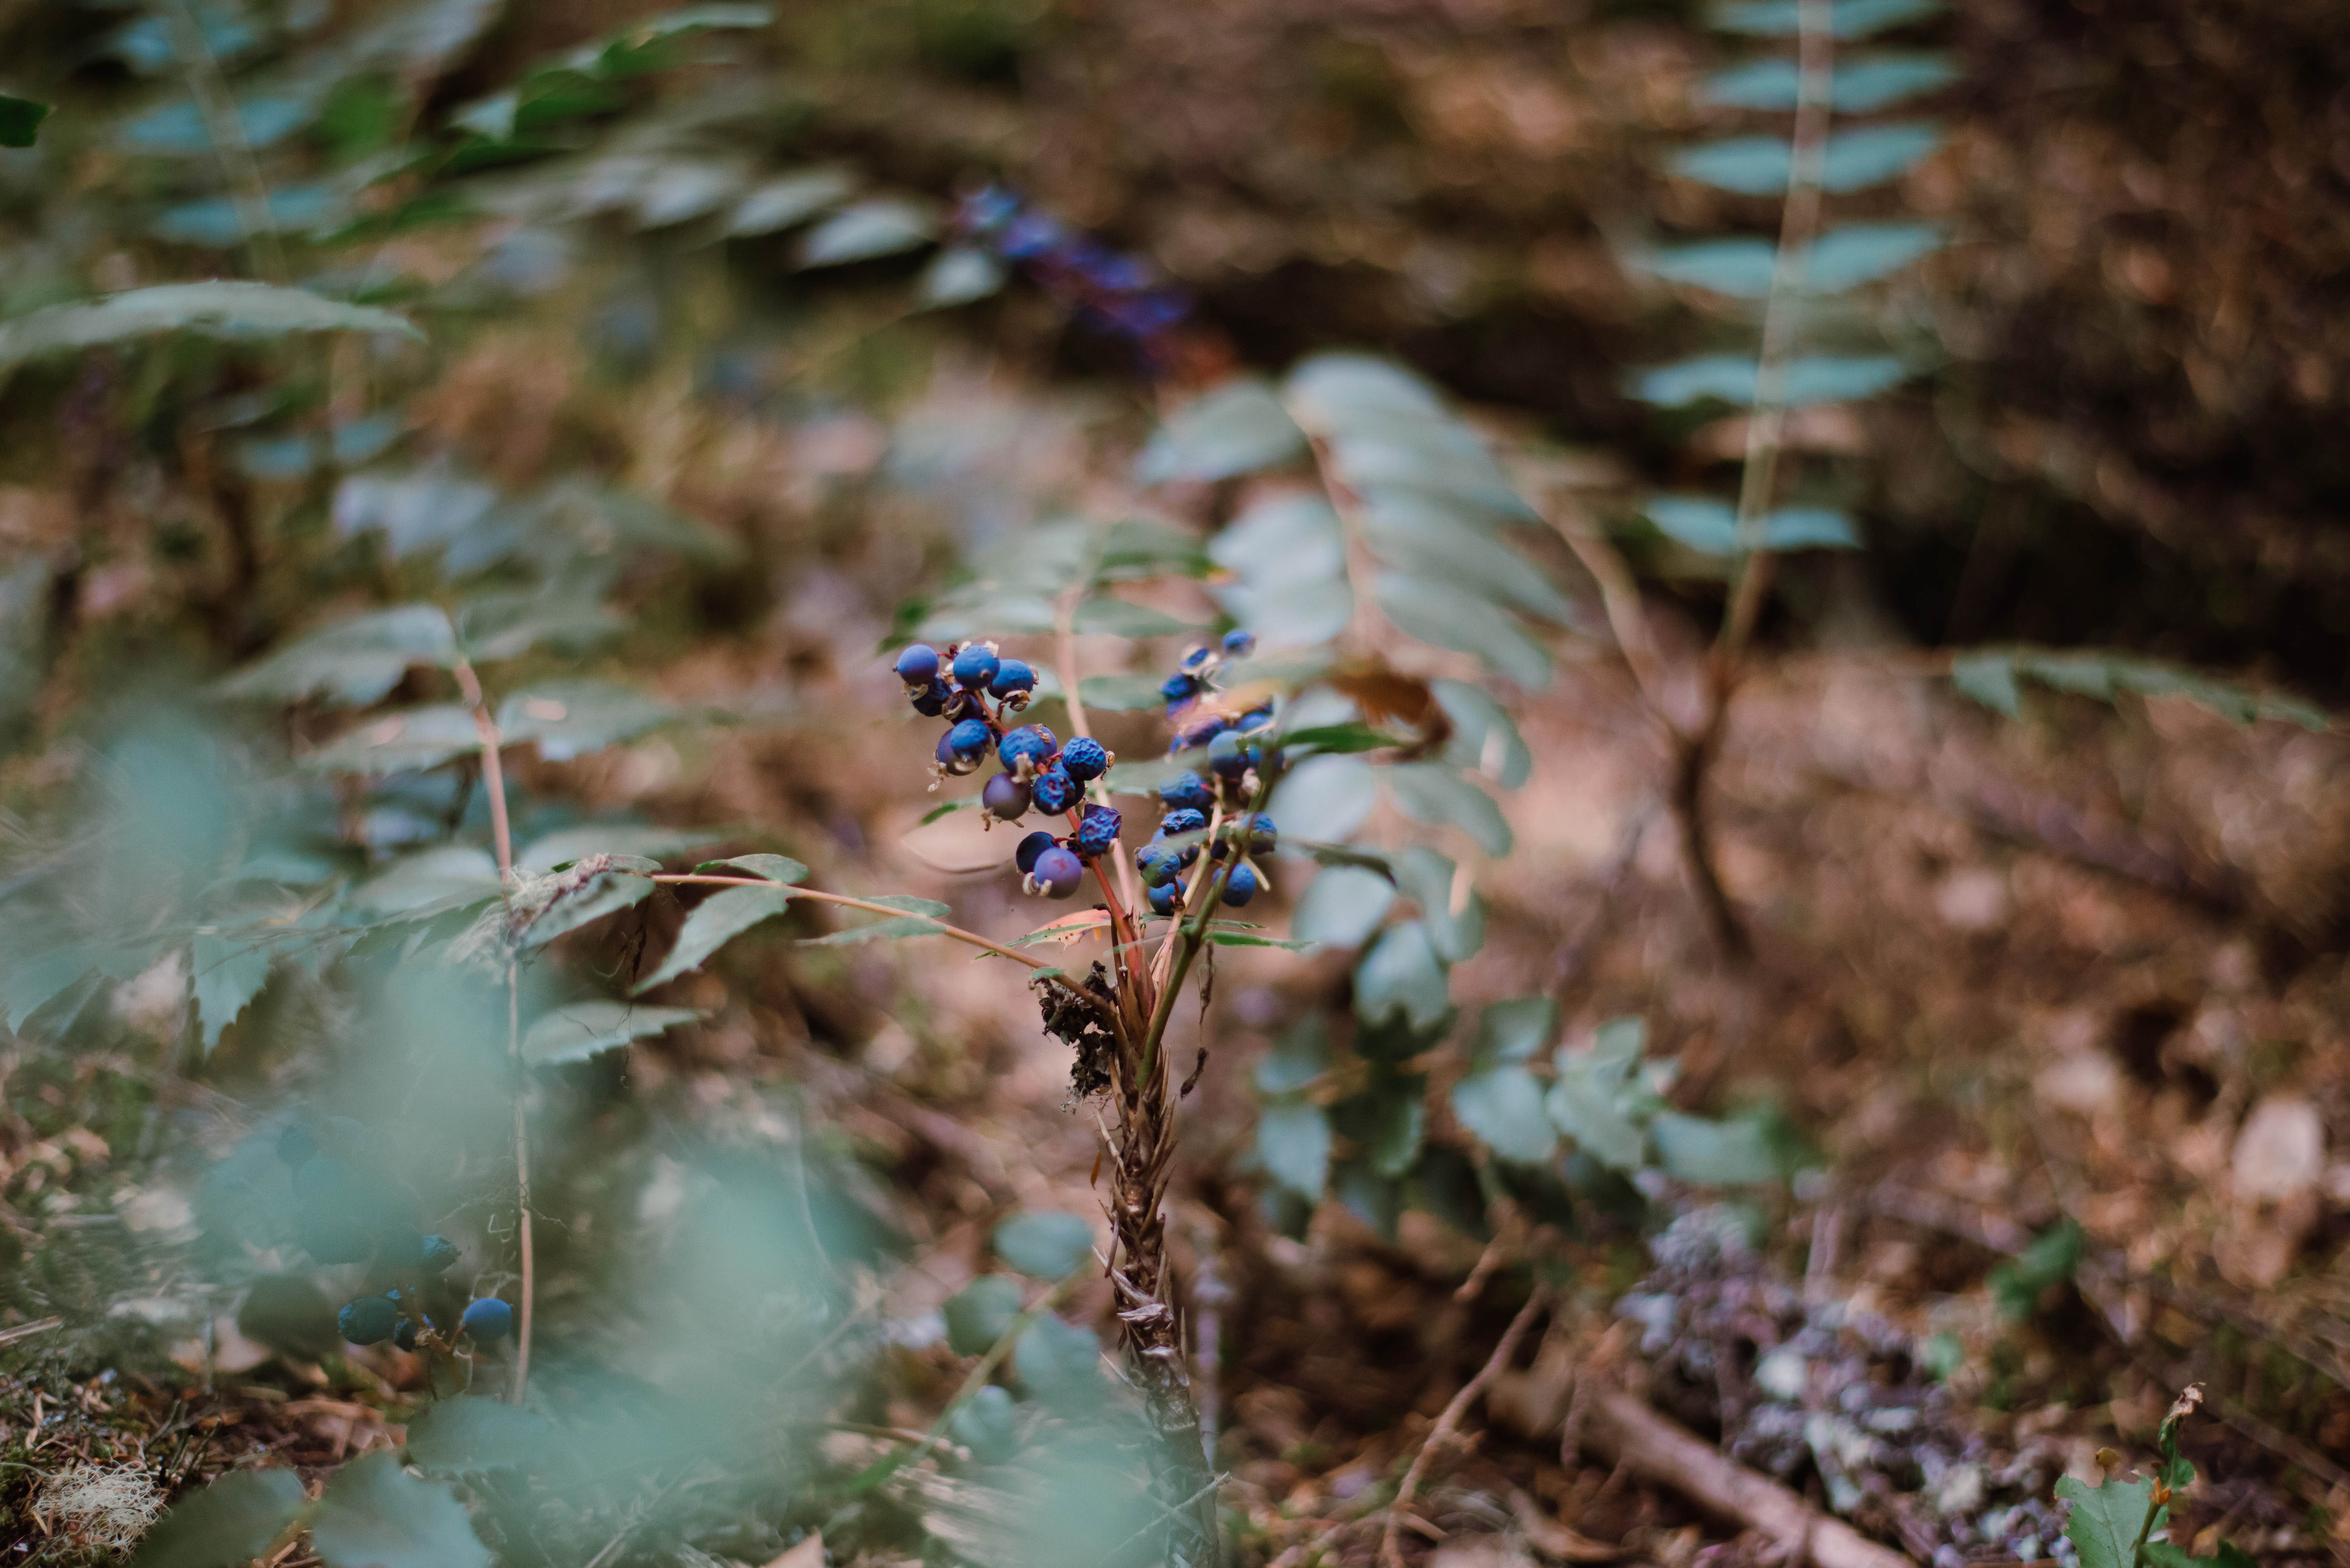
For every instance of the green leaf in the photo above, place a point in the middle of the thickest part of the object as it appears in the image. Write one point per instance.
(1292, 1144)
(1863, 83)
(1731, 379)
(1334, 739)
(957, 275)
(567, 844)
(1061, 1361)
(354, 661)
(1044, 1244)
(2106, 1521)
(1370, 1196)
(20, 120)
(1445, 617)
(2017, 1283)
(981, 1312)
(471, 1435)
(1595, 1100)
(1224, 937)
(789, 200)
(219, 309)
(775, 868)
(221, 221)
(715, 922)
(1990, 680)
(1840, 259)
(1431, 881)
(1386, 1122)
(1467, 556)
(1238, 428)
(376, 1515)
(1703, 523)
(1847, 18)
(566, 612)
(1402, 975)
(1854, 160)
(411, 740)
(1342, 906)
(1329, 391)
(1712, 1153)
(877, 227)
(1117, 618)
(227, 1524)
(1485, 738)
(227, 974)
(432, 882)
(920, 919)
(1300, 1056)
(1439, 796)
(606, 893)
(569, 719)
(1325, 797)
(1503, 1107)
(1134, 547)
(1514, 1031)
(578, 1030)
(1120, 694)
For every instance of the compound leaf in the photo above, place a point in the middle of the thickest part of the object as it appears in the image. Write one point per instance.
(1238, 428)
(221, 309)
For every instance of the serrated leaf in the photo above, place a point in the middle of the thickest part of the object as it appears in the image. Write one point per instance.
(1325, 797)
(1847, 18)
(715, 922)
(1329, 389)
(920, 919)
(877, 227)
(1484, 737)
(566, 845)
(1990, 680)
(1336, 740)
(1238, 428)
(957, 275)
(775, 868)
(1292, 1144)
(376, 1515)
(790, 198)
(1732, 377)
(2107, 1520)
(1439, 796)
(1467, 555)
(409, 740)
(1462, 476)
(354, 661)
(427, 883)
(1594, 1099)
(423, 508)
(1432, 881)
(228, 1523)
(1117, 618)
(607, 893)
(569, 719)
(226, 974)
(1042, 1244)
(1503, 1107)
(1141, 547)
(1402, 976)
(981, 1313)
(578, 1030)
(1862, 84)
(1712, 1153)
(1514, 1031)
(1287, 538)
(471, 1435)
(1342, 906)
(566, 613)
(221, 309)
(1445, 617)
(1854, 159)
(20, 120)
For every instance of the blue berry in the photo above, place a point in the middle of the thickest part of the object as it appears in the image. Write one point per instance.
(1157, 863)
(969, 738)
(1058, 872)
(1262, 834)
(1187, 791)
(976, 665)
(1162, 897)
(435, 1252)
(404, 1336)
(1178, 689)
(1201, 734)
(1188, 820)
(487, 1319)
(296, 1144)
(1055, 792)
(1196, 660)
(1013, 679)
(1084, 758)
(950, 761)
(369, 1320)
(929, 701)
(1030, 235)
(1238, 644)
(1230, 755)
(1032, 744)
(1097, 832)
(1255, 719)
(1241, 886)
(917, 666)
(1006, 796)
(1033, 846)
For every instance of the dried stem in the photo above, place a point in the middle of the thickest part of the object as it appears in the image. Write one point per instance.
(1390, 1554)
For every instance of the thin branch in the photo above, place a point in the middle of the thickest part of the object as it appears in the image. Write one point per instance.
(1390, 1553)
(1627, 617)
(493, 778)
(249, 194)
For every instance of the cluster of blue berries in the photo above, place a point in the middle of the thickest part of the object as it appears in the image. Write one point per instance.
(348, 1211)
(1199, 716)
(976, 689)
(1119, 294)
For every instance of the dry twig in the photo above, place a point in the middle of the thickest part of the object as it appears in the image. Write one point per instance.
(1449, 1421)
